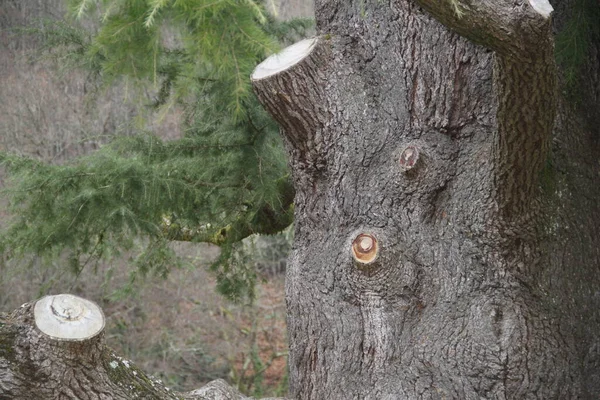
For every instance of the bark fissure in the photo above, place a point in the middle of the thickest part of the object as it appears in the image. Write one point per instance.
(527, 106)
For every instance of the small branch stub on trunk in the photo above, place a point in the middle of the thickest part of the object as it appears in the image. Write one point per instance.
(290, 85)
(409, 158)
(67, 317)
(365, 248)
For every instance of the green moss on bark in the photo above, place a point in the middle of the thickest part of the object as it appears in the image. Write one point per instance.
(128, 376)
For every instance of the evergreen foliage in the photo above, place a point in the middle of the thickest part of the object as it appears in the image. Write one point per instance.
(223, 181)
(573, 41)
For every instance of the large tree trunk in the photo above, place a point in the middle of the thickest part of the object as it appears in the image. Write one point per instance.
(447, 218)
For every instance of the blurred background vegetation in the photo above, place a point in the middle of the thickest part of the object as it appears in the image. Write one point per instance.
(91, 139)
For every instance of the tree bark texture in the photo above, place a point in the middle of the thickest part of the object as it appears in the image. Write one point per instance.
(437, 128)
(35, 366)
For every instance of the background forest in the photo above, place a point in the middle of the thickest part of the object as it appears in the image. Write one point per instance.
(173, 325)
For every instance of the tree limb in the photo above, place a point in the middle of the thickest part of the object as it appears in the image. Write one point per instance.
(525, 80)
(290, 86)
(54, 348)
(508, 27)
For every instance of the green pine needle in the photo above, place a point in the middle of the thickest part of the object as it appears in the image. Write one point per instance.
(225, 180)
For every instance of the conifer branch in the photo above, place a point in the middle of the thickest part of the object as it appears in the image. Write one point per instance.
(226, 179)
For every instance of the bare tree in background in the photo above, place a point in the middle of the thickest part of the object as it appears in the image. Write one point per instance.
(48, 112)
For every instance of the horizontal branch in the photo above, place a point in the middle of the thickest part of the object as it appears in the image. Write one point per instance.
(267, 220)
(508, 27)
(54, 349)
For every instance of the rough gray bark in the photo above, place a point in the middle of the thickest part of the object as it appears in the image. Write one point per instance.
(34, 365)
(454, 150)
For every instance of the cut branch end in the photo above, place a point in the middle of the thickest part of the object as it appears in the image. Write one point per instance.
(68, 318)
(365, 248)
(542, 7)
(282, 61)
(409, 158)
